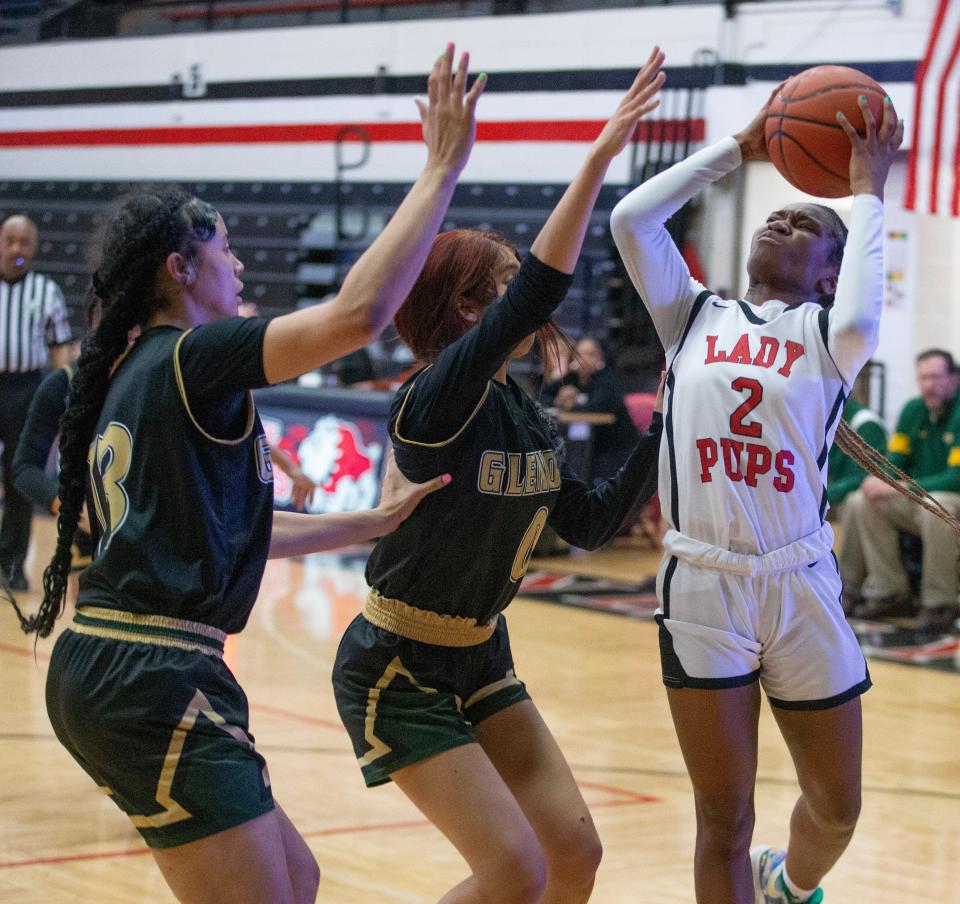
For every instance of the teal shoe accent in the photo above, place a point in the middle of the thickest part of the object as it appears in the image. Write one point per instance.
(768, 882)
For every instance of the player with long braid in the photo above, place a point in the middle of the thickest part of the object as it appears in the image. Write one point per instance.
(748, 587)
(424, 678)
(165, 442)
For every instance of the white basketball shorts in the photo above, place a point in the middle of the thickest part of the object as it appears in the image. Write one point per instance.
(729, 619)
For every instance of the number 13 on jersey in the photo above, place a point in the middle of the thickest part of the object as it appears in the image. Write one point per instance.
(110, 455)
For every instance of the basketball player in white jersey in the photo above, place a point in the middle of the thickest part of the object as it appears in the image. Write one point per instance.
(749, 588)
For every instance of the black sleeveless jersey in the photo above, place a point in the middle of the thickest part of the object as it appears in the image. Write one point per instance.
(180, 489)
(465, 548)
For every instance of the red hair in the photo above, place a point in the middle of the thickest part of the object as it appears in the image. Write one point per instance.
(462, 266)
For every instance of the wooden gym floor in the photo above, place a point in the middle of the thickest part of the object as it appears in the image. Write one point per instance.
(596, 679)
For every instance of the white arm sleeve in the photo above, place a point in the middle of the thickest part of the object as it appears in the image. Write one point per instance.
(656, 267)
(855, 315)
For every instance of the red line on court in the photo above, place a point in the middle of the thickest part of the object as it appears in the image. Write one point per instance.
(72, 858)
(372, 827)
(576, 130)
(23, 651)
(628, 798)
(633, 797)
(297, 717)
(623, 797)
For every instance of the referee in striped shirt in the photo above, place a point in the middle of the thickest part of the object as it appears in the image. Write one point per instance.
(33, 324)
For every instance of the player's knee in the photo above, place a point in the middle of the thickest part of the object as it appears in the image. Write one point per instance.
(836, 812)
(725, 819)
(575, 861)
(305, 879)
(304, 874)
(931, 524)
(518, 877)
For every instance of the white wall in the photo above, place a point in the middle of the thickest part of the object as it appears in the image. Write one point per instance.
(608, 39)
(920, 305)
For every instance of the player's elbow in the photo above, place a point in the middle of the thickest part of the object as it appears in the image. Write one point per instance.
(591, 540)
(621, 224)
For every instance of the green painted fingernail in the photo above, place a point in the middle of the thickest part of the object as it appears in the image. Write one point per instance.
(887, 100)
(482, 75)
(863, 98)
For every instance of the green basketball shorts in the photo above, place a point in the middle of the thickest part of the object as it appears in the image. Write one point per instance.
(146, 705)
(403, 701)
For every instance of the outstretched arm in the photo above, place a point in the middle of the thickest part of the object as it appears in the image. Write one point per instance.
(446, 394)
(380, 281)
(656, 268)
(296, 534)
(559, 242)
(589, 516)
(855, 316)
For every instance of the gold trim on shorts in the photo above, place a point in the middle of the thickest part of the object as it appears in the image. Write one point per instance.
(159, 630)
(423, 625)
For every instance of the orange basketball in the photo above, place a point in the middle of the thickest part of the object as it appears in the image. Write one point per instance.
(805, 142)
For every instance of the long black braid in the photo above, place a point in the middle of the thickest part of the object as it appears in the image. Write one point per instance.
(135, 243)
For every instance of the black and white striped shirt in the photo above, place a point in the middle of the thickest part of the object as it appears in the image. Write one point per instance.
(33, 316)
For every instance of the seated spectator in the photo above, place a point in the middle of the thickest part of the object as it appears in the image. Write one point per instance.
(556, 367)
(591, 386)
(926, 446)
(844, 475)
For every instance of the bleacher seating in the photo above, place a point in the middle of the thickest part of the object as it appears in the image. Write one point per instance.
(287, 237)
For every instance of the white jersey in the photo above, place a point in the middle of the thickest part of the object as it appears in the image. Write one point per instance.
(754, 394)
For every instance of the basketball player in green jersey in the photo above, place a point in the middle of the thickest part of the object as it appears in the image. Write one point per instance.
(424, 678)
(166, 442)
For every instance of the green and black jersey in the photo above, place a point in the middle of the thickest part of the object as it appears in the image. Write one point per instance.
(180, 483)
(927, 449)
(464, 549)
(844, 475)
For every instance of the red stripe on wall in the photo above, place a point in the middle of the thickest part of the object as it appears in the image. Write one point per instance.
(941, 114)
(910, 193)
(574, 130)
(955, 198)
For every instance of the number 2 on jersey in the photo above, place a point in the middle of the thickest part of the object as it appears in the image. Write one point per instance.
(110, 455)
(754, 428)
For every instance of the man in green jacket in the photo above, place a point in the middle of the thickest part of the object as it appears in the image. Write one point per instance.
(844, 474)
(926, 446)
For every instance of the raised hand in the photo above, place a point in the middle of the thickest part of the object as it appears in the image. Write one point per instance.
(561, 238)
(753, 137)
(874, 151)
(449, 115)
(636, 103)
